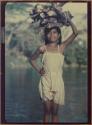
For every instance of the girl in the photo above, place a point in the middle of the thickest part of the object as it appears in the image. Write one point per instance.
(51, 85)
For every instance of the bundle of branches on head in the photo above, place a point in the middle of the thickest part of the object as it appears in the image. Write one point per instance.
(51, 15)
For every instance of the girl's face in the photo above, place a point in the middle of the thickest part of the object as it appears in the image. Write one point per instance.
(53, 35)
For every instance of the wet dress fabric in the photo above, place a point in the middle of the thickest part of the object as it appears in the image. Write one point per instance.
(51, 85)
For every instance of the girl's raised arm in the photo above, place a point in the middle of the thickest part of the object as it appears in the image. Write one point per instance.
(72, 36)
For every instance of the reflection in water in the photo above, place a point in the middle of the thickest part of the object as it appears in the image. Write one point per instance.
(22, 100)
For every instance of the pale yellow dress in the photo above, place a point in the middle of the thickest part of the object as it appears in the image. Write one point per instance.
(51, 85)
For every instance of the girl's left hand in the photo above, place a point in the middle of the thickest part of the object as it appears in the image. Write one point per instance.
(69, 20)
(69, 17)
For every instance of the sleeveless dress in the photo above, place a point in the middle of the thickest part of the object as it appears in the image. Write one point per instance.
(51, 85)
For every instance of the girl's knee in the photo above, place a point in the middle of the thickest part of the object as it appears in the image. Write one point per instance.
(54, 113)
(55, 109)
(48, 111)
(47, 108)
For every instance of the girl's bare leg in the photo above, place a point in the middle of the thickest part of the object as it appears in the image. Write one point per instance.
(47, 111)
(55, 108)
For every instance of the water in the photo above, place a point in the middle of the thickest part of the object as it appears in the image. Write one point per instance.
(22, 100)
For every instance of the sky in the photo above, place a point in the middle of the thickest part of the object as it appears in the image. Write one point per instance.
(76, 7)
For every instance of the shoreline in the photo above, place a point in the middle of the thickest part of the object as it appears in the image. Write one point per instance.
(14, 66)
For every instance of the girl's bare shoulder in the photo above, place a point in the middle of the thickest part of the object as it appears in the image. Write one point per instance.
(61, 46)
(42, 49)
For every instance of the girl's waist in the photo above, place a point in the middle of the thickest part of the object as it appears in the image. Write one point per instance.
(53, 72)
(52, 69)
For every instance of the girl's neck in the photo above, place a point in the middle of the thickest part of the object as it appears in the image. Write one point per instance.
(52, 45)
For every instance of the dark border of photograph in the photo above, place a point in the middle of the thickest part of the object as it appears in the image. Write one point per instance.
(2, 49)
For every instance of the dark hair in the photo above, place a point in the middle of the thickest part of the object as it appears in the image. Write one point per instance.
(47, 30)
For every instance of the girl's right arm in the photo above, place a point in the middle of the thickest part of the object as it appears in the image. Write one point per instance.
(33, 58)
